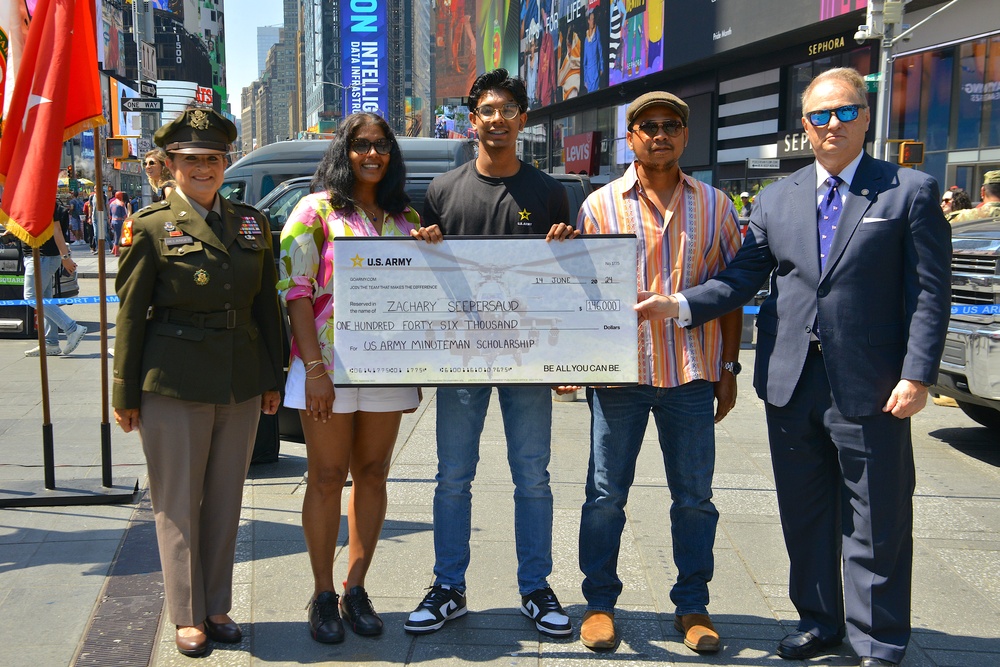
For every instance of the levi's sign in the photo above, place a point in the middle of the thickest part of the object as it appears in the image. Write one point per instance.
(134, 104)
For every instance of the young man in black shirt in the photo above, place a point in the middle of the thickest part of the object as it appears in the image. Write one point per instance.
(497, 194)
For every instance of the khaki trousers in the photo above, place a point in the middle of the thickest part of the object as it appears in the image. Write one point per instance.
(197, 456)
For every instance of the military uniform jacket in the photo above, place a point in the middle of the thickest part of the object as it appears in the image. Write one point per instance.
(198, 316)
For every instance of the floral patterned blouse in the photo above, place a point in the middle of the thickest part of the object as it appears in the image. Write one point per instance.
(306, 259)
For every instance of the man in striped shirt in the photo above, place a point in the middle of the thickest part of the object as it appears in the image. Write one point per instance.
(687, 231)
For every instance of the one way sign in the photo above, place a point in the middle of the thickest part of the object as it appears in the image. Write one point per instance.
(149, 104)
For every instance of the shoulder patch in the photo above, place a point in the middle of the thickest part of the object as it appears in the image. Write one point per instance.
(126, 238)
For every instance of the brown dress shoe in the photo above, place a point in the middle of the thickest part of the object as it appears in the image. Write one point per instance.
(193, 645)
(699, 633)
(598, 630)
(227, 633)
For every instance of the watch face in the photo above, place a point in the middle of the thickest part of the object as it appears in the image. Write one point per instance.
(733, 367)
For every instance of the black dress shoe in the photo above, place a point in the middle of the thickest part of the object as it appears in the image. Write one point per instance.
(227, 633)
(357, 610)
(193, 646)
(325, 625)
(801, 645)
(877, 662)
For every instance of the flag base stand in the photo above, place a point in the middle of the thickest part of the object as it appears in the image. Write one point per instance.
(68, 492)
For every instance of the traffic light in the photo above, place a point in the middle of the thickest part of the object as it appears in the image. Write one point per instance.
(116, 148)
(69, 172)
(911, 153)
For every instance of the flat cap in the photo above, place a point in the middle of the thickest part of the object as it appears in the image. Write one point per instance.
(992, 177)
(657, 97)
(197, 132)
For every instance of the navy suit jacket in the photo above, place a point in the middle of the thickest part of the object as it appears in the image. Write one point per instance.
(881, 303)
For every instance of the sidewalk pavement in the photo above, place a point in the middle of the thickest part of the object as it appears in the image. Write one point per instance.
(54, 561)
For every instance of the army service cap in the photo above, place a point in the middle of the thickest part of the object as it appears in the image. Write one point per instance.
(657, 97)
(197, 132)
(992, 177)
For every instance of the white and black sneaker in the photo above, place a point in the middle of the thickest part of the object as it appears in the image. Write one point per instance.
(439, 606)
(544, 609)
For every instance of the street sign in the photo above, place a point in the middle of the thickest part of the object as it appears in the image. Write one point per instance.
(147, 88)
(760, 163)
(872, 81)
(136, 104)
(145, 145)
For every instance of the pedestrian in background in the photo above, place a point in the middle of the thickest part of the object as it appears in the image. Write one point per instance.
(348, 429)
(989, 194)
(117, 212)
(160, 179)
(54, 256)
(848, 341)
(197, 358)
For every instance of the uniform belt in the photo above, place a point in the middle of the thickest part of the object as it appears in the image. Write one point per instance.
(815, 347)
(221, 319)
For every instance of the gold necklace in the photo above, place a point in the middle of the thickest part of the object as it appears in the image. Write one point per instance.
(369, 212)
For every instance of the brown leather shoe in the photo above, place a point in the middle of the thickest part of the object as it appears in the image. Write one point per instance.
(193, 645)
(699, 633)
(598, 630)
(227, 633)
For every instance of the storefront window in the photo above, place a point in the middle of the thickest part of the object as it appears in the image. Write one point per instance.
(971, 71)
(593, 120)
(905, 112)
(991, 94)
(800, 76)
(939, 67)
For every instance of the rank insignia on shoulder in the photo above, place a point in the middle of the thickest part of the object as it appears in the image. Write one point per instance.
(126, 239)
(201, 277)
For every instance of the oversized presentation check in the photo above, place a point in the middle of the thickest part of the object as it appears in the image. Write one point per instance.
(486, 310)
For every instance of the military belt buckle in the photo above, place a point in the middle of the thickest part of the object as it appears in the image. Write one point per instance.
(230, 319)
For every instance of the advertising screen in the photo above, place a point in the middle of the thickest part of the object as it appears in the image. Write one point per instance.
(364, 49)
(697, 29)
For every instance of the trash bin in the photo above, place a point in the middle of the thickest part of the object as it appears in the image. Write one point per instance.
(15, 321)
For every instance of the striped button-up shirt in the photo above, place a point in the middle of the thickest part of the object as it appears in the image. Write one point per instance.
(696, 239)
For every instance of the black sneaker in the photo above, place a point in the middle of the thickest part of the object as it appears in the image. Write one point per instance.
(440, 605)
(544, 609)
(325, 625)
(359, 613)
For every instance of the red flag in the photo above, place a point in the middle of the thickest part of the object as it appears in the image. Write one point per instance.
(60, 51)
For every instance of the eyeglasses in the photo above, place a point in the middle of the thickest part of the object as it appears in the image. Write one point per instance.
(509, 111)
(651, 128)
(947, 199)
(364, 146)
(150, 163)
(844, 114)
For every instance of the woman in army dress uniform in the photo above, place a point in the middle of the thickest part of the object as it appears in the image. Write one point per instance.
(197, 358)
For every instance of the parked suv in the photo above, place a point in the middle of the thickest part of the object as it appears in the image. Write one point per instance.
(970, 366)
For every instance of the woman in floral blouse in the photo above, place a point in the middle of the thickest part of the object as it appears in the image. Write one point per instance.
(347, 428)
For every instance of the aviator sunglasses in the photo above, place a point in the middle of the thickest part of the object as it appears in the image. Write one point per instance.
(364, 146)
(844, 114)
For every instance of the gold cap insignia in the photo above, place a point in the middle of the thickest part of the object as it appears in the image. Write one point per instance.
(198, 119)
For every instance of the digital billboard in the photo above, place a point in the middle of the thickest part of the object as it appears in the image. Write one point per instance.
(455, 47)
(697, 29)
(364, 47)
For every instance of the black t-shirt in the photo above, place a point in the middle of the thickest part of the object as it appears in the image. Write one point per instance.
(464, 202)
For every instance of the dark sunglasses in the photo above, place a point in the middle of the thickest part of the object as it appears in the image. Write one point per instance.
(510, 111)
(651, 128)
(844, 114)
(150, 163)
(364, 146)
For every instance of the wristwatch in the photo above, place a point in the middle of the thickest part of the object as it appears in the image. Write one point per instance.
(67, 255)
(733, 367)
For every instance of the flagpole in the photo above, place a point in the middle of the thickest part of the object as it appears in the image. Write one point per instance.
(48, 456)
(103, 287)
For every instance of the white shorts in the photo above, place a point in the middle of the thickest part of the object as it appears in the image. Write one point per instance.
(350, 399)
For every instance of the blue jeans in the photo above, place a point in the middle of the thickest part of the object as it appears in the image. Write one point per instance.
(685, 423)
(55, 318)
(527, 420)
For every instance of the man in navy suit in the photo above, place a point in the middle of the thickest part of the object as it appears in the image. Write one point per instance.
(858, 252)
